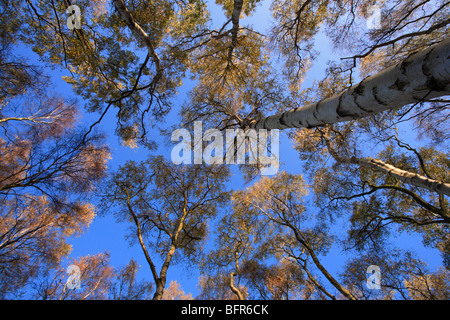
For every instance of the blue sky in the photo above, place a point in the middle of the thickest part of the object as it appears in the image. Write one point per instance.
(105, 234)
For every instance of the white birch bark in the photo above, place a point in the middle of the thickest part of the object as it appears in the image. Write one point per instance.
(237, 8)
(233, 288)
(138, 32)
(407, 177)
(423, 74)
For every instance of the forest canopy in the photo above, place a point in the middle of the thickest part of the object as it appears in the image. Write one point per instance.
(165, 116)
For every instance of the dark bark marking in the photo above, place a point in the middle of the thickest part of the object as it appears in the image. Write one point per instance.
(399, 85)
(359, 91)
(404, 66)
(282, 120)
(432, 83)
(377, 99)
(341, 112)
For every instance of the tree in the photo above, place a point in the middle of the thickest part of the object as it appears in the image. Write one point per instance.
(395, 87)
(33, 235)
(269, 220)
(169, 206)
(282, 281)
(433, 286)
(414, 179)
(293, 36)
(49, 157)
(279, 200)
(114, 60)
(216, 287)
(375, 173)
(92, 280)
(126, 287)
(180, 39)
(380, 204)
(48, 169)
(41, 147)
(403, 276)
(131, 57)
(175, 292)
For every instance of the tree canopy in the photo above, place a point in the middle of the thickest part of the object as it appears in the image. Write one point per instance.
(366, 129)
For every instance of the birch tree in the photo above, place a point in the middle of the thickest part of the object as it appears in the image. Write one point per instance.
(108, 74)
(395, 81)
(419, 180)
(397, 266)
(175, 292)
(95, 275)
(279, 200)
(422, 75)
(95, 279)
(404, 277)
(49, 168)
(131, 57)
(378, 202)
(270, 221)
(126, 58)
(125, 286)
(34, 239)
(169, 207)
(393, 170)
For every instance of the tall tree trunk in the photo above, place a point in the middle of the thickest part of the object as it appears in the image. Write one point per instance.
(233, 288)
(141, 36)
(317, 284)
(137, 31)
(237, 8)
(161, 283)
(407, 177)
(425, 74)
(301, 239)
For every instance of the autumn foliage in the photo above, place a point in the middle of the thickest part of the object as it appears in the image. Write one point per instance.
(136, 70)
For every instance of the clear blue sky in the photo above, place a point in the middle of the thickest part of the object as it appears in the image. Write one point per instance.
(105, 234)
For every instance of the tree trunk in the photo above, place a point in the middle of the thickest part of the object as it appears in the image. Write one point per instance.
(158, 295)
(139, 33)
(237, 8)
(425, 74)
(317, 284)
(302, 240)
(407, 177)
(233, 287)
(161, 283)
